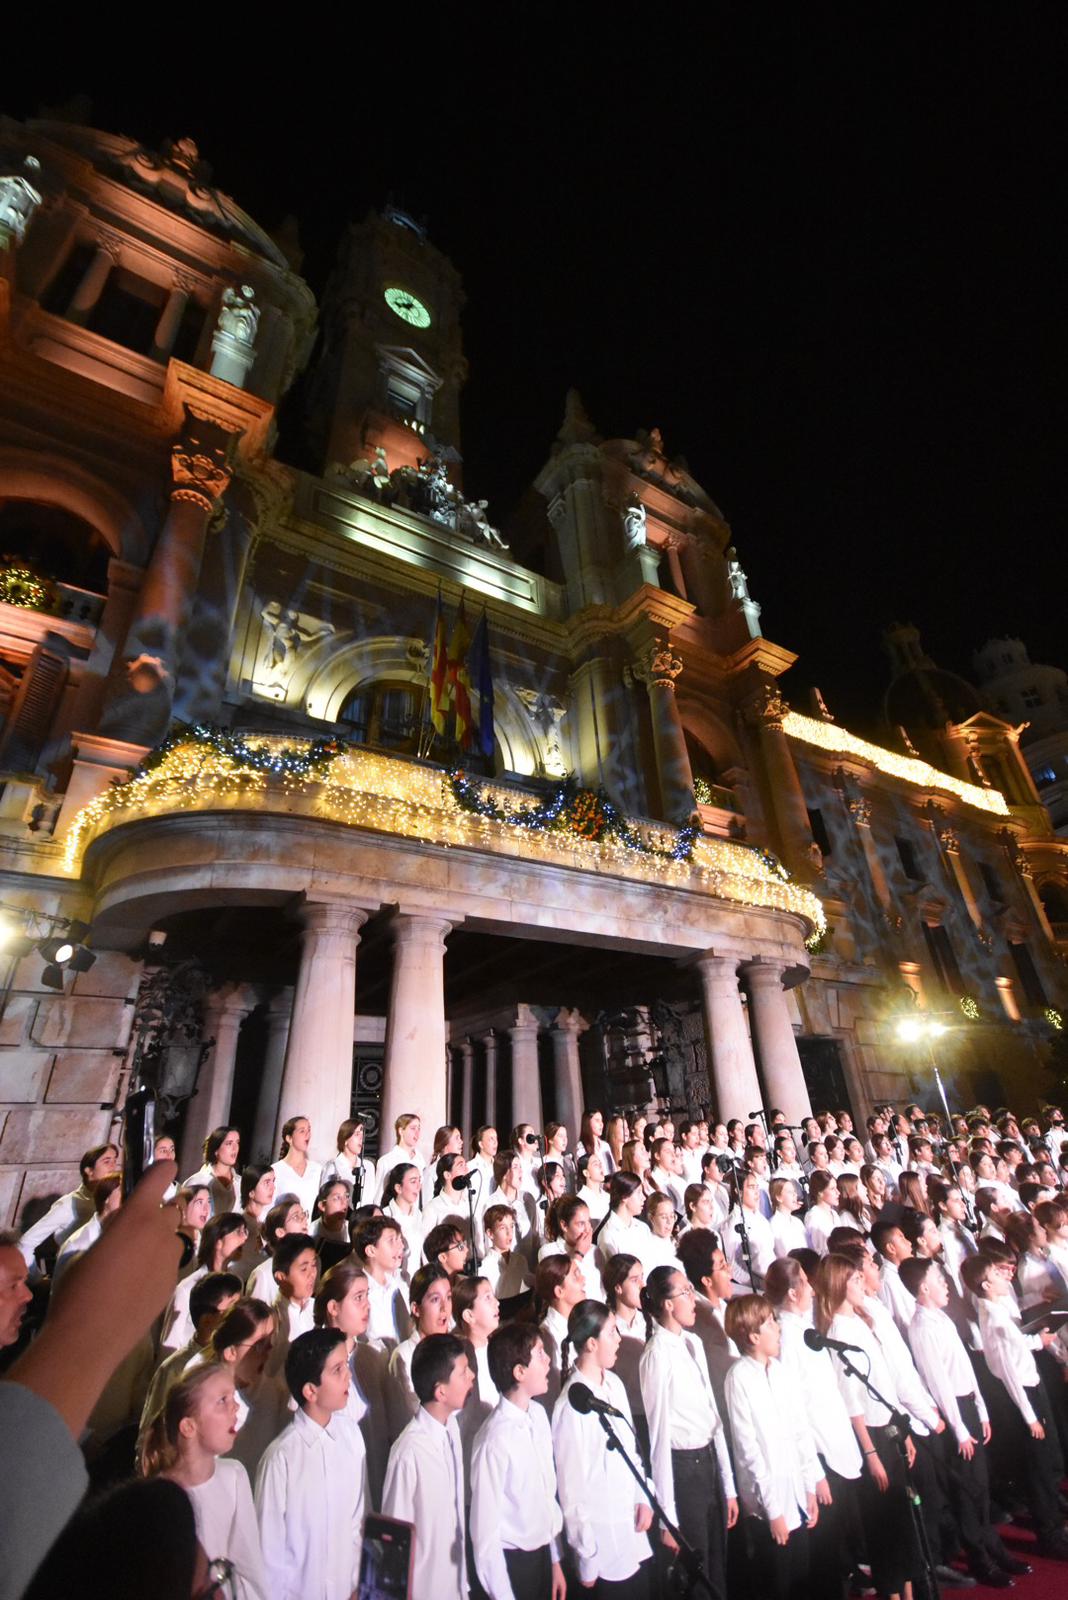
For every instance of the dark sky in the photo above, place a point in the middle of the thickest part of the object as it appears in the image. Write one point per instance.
(825, 255)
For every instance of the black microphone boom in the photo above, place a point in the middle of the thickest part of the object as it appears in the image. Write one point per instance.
(820, 1341)
(582, 1399)
(463, 1181)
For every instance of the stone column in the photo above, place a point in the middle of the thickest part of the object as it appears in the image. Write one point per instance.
(210, 1105)
(170, 321)
(567, 1070)
(658, 668)
(86, 296)
(139, 702)
(949, 844)
(317, 1074)
(773, 1037)
(799, 850)
(414, 1075)
(467, 1087)
(860, 810)
(735, 1086)
(526, 1083)
(265, 1127)
(233, 344)
(489, 1109)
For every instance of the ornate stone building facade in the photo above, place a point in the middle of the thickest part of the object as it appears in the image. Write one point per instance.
(301, 905)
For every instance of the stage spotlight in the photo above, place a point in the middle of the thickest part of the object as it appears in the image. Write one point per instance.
(81, 960)
(909, 1029)
(52, 977)
(57, 950)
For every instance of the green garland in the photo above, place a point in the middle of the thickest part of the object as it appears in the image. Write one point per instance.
(313, 763)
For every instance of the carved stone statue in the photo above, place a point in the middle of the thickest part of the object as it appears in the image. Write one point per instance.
(547, 713)
(18, 202)
(634, 525)
(739, 583)
(478, 523)
(380, 470)
(239, 315)
(289, 633)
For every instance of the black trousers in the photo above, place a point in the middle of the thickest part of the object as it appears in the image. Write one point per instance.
(781, 1570)
(636, 1587)
(968, 1488)
(892, 1547)
(530, 1572)
(1040, 1466)
(836, 1543)
(701, 1511)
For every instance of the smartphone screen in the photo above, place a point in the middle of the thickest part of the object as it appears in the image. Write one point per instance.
(139, 1137)
(386, 1559)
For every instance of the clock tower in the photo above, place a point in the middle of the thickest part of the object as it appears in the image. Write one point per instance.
(391, 367)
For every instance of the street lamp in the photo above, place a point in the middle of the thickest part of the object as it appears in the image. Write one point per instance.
(924, 1030)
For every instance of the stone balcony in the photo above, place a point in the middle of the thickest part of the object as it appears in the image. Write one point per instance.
(265, 776)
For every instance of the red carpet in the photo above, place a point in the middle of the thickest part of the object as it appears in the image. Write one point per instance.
(1049, 1581)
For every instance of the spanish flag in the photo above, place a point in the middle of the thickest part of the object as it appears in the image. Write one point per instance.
(439, 672)
(459, 680)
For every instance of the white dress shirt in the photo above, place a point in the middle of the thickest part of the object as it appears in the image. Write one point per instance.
(75, 1245)
(915, 1399)
(310, 1492)
(262, 1413)
(402, 1402)
(1009, 1353)
(820, 1222)
(225, 1197)
(871, 1360)
(513, 1492)
(425, 1486)
(506, 1277)
(410, 1224)
(262, 1283)
(477, 1407)
(669, 1183)
(226, 1527)
(177, 1322)
(596, 1201)
(787, 1233)
(943, 1364)
(389, 1320)
(304, 1186)
(681, 1410)
(441, 1208)
(396, 1157)
(61, 1219)
(895, 1297)
(814, 1378)
(774, 1453)
(761, 1248)
(598, 1496)
(340, 1166)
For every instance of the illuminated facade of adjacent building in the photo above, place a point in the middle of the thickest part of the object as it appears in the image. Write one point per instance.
(366, 926)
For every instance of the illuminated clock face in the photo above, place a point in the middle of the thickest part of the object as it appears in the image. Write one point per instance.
(406, 306)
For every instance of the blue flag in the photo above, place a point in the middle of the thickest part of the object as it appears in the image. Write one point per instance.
(482, 679)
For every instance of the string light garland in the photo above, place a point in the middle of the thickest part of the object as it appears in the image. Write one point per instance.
(837, 741)
(211, 769)
(970, 1007)
(20, 586)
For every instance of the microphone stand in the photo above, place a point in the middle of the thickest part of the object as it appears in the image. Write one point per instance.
(899, 1432)
(696, 1576)
(471, 1264)
(741, 1230)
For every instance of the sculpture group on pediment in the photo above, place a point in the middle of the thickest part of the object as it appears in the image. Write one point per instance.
(18, 202)
(424, 490)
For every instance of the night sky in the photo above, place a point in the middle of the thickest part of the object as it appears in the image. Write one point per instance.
(826, 256)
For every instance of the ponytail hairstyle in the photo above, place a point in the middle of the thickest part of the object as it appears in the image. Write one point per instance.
(655, 1295)
(818, 1184)
(444, 1167)
(103, 1189)
(552, 1220)
(250, 1177)
(394, 1178)
(550, 1276)
(274, 1223)
(621, 1185)
(782, 1278)
(586, 1322)
(159, 1452)
(617, 1270)
(850, 1199)
(464, 1294)
(239, 1324)
(287, 1134)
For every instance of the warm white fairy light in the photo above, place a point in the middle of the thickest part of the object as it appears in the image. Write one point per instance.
(829, 736)
(386, 795)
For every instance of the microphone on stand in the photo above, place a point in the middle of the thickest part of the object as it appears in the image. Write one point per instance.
(820, 1341)
(582, 1399)
(463, 1181)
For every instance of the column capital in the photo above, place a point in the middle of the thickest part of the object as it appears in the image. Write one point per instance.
(567, 1021)
(764, 972)
(416, 927)
(333, 916)
(657, 666)
(860, 811)
(202, 461)
(719, 964)
(525, 1021)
